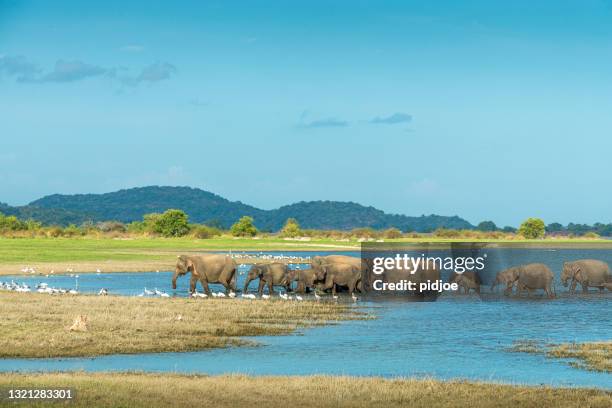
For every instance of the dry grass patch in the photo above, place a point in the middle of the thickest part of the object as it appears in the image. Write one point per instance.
(591, 356)
(36, 325)
(595, 356)
(171, 390)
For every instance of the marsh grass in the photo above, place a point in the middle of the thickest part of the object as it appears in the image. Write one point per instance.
(35, 325)
(590, 356)
(172, 390)
(595, 356)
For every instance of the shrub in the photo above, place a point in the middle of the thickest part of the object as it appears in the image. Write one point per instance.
(392, 233)
(532, 228)
(108, 226)
(291, 229)
(244, 227)
(204, 232)
(172, 223)
(72, 231)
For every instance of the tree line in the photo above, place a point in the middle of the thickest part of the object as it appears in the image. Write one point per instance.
(175, 223)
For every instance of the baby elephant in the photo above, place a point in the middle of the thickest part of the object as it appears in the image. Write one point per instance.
(306, 279)
(526, 277)
(467, 280)
(274, 274)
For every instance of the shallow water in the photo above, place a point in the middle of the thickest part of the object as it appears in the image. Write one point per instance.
(454, 337)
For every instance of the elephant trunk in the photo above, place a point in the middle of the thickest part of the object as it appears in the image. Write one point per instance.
(177, 273)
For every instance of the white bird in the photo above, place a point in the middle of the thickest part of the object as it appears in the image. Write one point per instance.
(157, 292)
(164, 294)
(103, 292)
(199, 295)
(148, 292)
(335, 297)
(214, 294)
(355, 298)
(221, 294)
(73, 292)
(98, 271)
(316, 295)
(264, 296)
(248, 296)
(283, 296)
(232, 295)
(298, 298)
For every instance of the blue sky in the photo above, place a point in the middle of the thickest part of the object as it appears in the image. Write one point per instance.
(487, 110)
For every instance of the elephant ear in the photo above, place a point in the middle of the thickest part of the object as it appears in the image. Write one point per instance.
(191, 266)
(577, 273)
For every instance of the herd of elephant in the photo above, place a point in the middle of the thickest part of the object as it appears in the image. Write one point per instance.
(342, 272)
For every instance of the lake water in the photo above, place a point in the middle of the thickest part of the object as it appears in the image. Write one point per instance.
(454, 337)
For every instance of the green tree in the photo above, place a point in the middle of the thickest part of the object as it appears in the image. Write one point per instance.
(172, 223)
(244, 227)
(291, 229)
(487, 226)
(532, 228)
(11, 223)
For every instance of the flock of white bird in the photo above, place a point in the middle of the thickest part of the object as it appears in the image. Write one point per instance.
(40, 288)
(270, 257)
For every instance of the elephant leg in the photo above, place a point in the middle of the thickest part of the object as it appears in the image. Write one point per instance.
(351, 287)
(573, 287)
(246, 285)
(232, 280)
(227, 286)
(585, 287)
(271, 287)
(193, 283)
(260, 287)
(329, 283)
(204, 283)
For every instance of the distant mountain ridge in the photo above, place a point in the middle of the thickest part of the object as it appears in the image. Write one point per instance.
(202, 206)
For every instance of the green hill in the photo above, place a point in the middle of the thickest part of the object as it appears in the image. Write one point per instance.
(202, 206)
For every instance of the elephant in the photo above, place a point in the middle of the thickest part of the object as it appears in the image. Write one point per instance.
(535, 276)
(507, 277)
(317, 261)
(587, 272)
(273, 274)
(466, 280)
(526, 277)
(306, 279)
(212, 268)
(338, 274)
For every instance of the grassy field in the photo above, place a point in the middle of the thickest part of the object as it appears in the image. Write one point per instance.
(150, 254)
(36, 325)
(171, 390)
